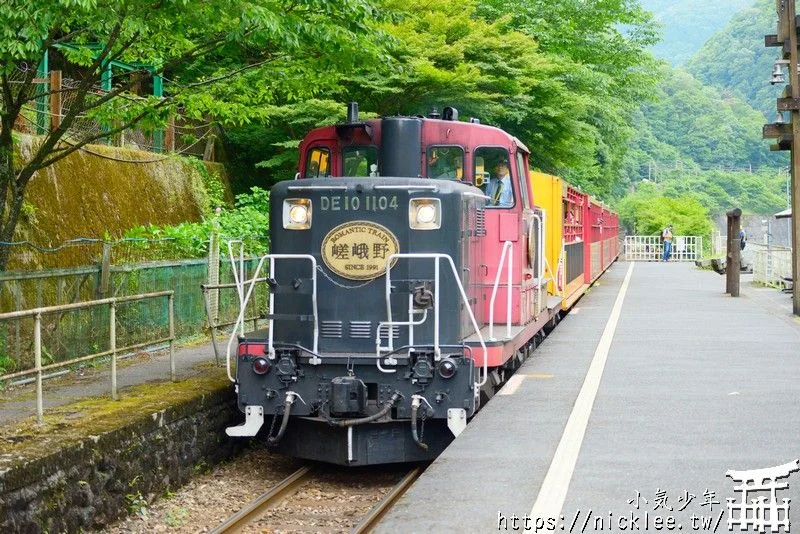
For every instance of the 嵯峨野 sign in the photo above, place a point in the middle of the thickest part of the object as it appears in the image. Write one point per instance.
(359, 250)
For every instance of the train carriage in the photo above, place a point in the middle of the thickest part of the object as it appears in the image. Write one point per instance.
(408, 278)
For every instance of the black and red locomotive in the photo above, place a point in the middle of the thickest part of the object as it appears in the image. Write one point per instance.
(404, 288)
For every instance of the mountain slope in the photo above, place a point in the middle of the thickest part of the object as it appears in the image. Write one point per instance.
(688, 23)
(736, 60)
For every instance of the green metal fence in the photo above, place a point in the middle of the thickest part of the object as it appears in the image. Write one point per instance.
(86, 330)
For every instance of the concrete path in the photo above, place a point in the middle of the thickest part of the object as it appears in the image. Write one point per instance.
(626, 416)
(20, 401)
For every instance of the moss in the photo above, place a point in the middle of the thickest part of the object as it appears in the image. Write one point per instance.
(73, 423)
(89, 195)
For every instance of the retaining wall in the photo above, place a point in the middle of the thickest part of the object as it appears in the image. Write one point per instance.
(97, 480)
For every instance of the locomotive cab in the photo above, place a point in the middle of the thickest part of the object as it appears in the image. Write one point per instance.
(404, 262)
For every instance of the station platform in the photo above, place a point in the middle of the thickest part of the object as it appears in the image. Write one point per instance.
(631, 412)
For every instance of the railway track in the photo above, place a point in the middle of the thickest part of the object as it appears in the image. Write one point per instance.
(297, 483)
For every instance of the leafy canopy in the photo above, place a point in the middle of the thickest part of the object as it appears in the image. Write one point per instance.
(227, 61)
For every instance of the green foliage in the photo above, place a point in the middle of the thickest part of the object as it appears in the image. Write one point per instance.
(647, 211)
(736, 61)
(688, 24)
(564, 77)
(248, 219)
(688, 121)
(176, 517)
(696, 140)
(225, 61)
(762, 193)
(212, 186)
(7, 364)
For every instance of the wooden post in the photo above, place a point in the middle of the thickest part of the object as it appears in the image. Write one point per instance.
(37, 354)
(169, 141)
(208, 153)
(786, 38)
(794, 81)
(112, 341)
(733, 266)
(105, 271)
(55, 99)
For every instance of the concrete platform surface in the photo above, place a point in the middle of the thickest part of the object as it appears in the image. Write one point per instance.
(629, 421)
(19, 402)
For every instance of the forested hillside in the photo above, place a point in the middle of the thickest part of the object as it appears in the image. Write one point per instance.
(700, 137)
(736, 61)
(688, 23)
(692, 126)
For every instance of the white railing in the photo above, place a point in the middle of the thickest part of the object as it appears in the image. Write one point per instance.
(650, 248)
(315, 360)
(389, 323)
(113, 350)
(507, 248)
(772, 266)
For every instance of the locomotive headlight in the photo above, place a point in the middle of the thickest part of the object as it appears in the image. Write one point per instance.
(447, 368)
(297, 214)
(425, 213)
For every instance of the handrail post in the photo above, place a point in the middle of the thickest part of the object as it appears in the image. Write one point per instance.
(112, 327)
(37, 354)
(508, 297)
(171, 312)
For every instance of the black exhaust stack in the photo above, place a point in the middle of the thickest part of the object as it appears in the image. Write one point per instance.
(352, 112)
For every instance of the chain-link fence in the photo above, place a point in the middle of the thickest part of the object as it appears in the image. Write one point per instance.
(58, 95)
(86, 330)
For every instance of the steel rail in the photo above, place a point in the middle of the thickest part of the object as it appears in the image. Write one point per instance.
(264, 502)
(379, 510)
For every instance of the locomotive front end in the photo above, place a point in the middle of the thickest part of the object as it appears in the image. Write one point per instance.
(365, 360)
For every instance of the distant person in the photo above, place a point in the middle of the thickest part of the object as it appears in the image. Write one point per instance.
(499, 190)
(742, 239)
(666, 238)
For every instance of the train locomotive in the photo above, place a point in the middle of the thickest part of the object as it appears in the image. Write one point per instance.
(415, 263)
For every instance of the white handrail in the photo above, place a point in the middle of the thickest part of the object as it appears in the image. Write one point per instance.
(437, 350)
(507, 247)
(539, 245)
(238, 278)
(240, 320)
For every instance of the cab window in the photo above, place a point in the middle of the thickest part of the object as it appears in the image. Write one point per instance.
(445, 162)
(318, 163)
(360, 161)
(492, 172)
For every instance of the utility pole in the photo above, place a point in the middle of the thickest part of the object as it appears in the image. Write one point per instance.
(788, 135)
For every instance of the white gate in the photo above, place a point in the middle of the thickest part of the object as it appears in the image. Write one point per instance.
(650, 248)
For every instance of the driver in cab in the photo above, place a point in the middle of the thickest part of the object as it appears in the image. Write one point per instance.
(499, 190)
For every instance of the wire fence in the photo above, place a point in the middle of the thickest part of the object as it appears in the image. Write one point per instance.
(85, 330)
(27, 256)
(181, 134)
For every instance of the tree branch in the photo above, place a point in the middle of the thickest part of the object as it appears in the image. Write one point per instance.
(227, 75)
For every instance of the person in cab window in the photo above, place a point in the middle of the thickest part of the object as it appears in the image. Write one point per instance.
(500, 191)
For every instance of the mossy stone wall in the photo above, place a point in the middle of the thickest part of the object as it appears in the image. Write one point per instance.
(106, 191)
(91, 483)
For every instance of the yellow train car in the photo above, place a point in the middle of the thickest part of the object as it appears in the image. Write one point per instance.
(570, 216)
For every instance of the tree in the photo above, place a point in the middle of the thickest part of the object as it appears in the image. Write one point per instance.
(209, 50)
(602, 47)
(647, 211)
